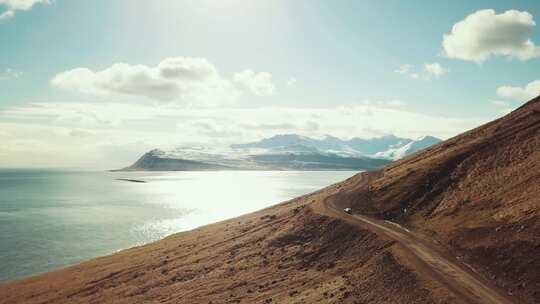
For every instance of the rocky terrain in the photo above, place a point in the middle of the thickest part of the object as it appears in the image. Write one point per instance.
(458, 222)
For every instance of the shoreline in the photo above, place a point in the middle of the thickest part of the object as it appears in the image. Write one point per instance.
(136, 245)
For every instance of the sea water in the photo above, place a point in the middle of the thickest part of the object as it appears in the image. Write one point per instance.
(51, 219)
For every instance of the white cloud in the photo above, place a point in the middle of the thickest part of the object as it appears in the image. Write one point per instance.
(10, 74)
(484, 34)
(259, 84)
(428, 72)
(188, 81)
(291, 81)
(404, 68)
(528, 92)
(435, 69)
(504, 107)
(179, 80)
(18, 5)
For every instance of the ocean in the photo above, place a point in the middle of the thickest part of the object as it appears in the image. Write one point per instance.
(51, 219)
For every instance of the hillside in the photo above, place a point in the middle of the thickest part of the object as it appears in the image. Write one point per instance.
(476, 193)
(455, 223)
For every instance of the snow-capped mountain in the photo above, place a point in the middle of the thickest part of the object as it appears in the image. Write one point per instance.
(398, 151)
(387, 147)
(286, 152)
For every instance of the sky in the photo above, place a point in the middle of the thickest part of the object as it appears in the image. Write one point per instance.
(94, 84)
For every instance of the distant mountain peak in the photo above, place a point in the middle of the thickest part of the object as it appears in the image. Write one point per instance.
(400, 151)
(387, 146)
(428, 138)
(287, 151)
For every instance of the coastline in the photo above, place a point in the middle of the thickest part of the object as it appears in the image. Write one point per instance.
(255, 257)
(152, 224)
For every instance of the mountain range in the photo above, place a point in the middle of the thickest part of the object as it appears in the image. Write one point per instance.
(286, 152)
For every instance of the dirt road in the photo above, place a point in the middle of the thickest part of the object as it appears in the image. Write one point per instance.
(462, 281)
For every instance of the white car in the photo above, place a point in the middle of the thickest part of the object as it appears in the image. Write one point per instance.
(347, 210)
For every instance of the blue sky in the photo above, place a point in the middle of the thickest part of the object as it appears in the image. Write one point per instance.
(264, 57)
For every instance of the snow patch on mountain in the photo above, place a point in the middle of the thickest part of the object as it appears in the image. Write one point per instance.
(397, 152)
(289, 151)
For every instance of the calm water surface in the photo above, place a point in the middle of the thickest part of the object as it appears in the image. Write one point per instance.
(51, 219)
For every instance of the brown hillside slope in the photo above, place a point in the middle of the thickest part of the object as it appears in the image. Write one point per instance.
(474, 196)
(479, 193)
(284, 254)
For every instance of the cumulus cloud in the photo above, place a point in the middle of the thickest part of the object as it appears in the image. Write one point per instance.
(184, 80)
(525, 93)
(435, 69)
(180, 80)
(484, 34)
(11, 6)
(428, 72)
(259, 84)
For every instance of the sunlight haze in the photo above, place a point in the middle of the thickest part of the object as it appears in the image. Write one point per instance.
(138, 75)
